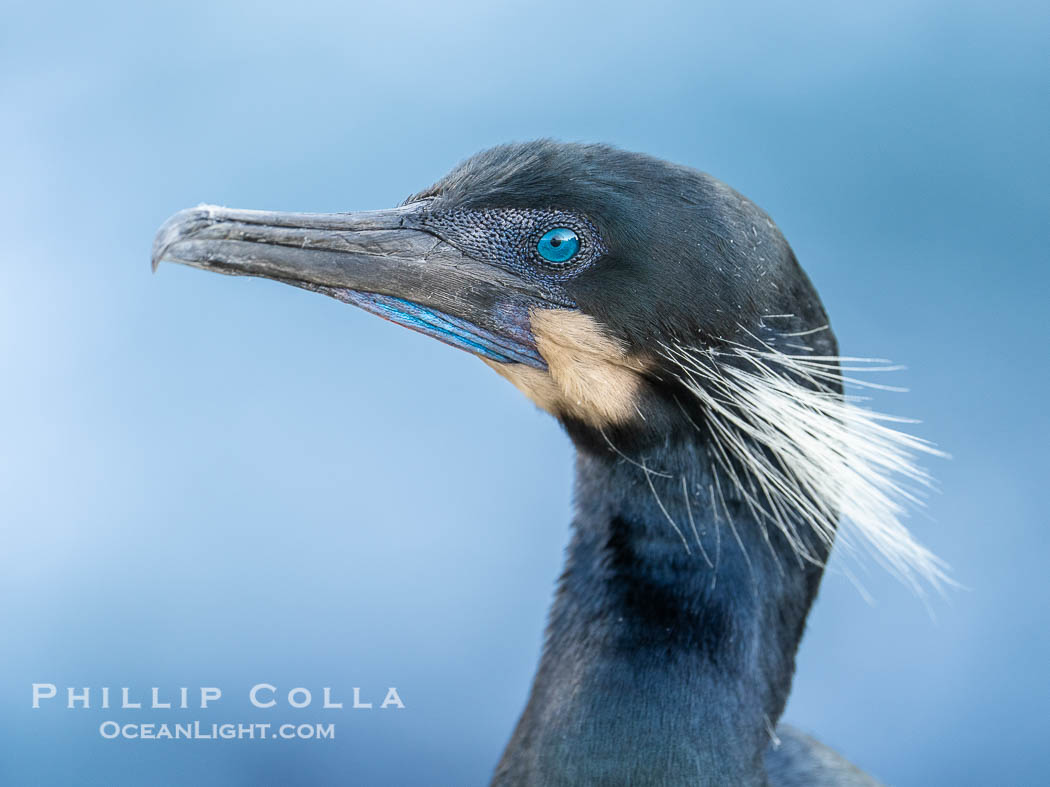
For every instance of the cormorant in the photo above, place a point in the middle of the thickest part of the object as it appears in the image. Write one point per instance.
(663, 319)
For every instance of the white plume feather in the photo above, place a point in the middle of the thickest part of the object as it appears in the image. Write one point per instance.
(809, 455)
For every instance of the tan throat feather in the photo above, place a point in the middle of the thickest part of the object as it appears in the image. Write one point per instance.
(799, 453)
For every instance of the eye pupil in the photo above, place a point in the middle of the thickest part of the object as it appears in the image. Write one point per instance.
(558, 245)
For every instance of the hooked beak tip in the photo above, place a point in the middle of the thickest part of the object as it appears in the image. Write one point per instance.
(178, 227)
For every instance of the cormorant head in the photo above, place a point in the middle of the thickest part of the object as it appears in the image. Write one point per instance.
(646, 305)
(573, 270)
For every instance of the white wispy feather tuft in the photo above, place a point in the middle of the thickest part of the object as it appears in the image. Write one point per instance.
(798, 453)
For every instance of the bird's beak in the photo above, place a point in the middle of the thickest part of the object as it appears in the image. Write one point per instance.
(379, 260)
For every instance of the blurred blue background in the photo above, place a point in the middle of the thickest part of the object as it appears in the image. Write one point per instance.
(215, 481)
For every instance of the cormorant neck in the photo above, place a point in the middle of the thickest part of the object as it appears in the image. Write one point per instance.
(671, 642)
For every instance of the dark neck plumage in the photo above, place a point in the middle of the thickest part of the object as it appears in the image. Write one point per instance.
(671, 642)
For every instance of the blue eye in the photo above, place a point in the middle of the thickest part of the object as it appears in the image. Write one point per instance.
(558, 245)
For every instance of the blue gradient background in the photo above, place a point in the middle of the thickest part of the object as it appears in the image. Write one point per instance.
(217, 481)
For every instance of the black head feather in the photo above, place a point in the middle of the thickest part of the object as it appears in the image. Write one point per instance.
(687, 258)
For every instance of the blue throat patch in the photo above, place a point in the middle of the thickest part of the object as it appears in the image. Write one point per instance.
(445, 328)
